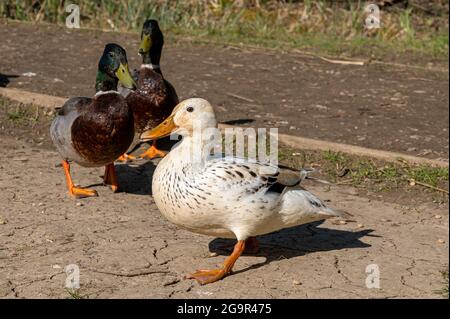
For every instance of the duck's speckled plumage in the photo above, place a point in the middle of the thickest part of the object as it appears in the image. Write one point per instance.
(228, 196)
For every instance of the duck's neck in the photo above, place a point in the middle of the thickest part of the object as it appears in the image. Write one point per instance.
(191, 151)
(105, 82)
(152, 58)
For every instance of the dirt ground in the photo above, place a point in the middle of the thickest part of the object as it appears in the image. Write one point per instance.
(376, 106)
(125, 248)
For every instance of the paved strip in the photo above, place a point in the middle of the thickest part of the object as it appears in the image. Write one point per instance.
(298, 142)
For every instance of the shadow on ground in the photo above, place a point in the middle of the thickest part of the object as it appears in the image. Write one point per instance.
(238, 122)
(4, 79)
(136, 178)
(296, 241)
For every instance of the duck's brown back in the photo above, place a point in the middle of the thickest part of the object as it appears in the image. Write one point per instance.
(104, 130)
(152, 101)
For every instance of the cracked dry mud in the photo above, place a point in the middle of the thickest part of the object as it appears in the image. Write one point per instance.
(125, 248)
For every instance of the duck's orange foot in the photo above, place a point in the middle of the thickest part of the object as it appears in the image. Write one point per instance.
(152, 153)
(204, 277)
(125, 158)
(110, 177)
(79, 192)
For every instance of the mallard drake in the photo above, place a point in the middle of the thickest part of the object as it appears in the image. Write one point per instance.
(221, 196)
(94, 132)
(154, 98)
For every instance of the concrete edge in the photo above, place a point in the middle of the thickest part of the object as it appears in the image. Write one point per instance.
(51, 102)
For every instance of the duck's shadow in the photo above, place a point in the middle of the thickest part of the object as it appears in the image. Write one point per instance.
(296, 241)
(238, 122)
(136, 178)
(4, 79)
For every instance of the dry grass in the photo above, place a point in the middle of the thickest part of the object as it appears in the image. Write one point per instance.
(328, 25)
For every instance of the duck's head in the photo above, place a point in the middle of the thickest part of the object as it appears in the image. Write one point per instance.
(113, 67)
(188, 116)
(152, 41)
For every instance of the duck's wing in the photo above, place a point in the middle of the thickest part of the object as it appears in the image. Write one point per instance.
(245, 178)
(254, 176)
(73, 104)
(61, 128)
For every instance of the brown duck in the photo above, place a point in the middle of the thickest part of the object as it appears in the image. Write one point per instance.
(94, 132)
(154, 98)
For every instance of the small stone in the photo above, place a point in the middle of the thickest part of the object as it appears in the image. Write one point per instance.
(296, 282)
(213, 254)
(440, 241)
(29, 74)
(79, 204)
(3, 221)
(412, 182)
(359, 226)
(56, 267)
(437, 216)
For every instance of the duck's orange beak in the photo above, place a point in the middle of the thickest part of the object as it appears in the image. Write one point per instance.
(162, 130)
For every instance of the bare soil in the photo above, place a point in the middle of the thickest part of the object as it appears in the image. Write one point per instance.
(125, 248)
(377, 106)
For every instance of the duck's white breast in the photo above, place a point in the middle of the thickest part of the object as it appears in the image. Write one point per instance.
(210, 201)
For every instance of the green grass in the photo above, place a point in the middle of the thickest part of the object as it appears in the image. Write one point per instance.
(428, 175)
(21, 114)
(334, 157)
(328, 27)
(16, 116)
(363, 172)
(75, 294)
(363, 169)
(444, 291)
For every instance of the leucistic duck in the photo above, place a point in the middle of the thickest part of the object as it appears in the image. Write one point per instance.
(154, 98)
(225, 197)
(94, 132)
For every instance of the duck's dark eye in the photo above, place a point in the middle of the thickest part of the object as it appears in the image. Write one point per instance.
(190, 109)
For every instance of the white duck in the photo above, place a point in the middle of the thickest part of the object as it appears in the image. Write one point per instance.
(225, 197)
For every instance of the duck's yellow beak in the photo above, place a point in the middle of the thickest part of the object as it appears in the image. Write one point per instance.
(124, 76)
(162, 130)
(146, 44)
